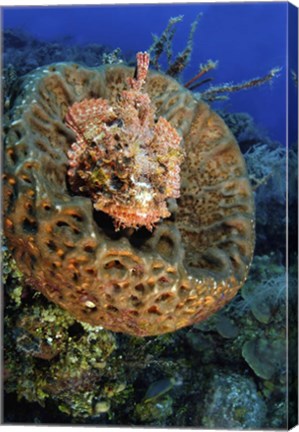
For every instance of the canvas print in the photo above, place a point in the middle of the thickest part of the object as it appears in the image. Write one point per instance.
(149, 247)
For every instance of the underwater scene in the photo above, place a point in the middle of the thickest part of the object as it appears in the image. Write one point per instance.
(149, 250)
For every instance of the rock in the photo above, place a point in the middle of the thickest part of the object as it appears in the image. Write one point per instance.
(265, 357)
(226, 328)
(102, 407)
(233, 402)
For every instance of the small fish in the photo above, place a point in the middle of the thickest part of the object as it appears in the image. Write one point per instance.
(159, 388)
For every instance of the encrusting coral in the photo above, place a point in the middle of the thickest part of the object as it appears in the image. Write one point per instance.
(139, 282)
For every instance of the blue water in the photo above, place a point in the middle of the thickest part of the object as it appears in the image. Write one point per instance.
(248, 40)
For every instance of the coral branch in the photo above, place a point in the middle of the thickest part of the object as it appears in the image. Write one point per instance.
(203, 69)
(200, 83)
(183, 58)
(164, 42)
(218, 92)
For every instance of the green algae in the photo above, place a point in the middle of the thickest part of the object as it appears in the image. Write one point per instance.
(153, 411)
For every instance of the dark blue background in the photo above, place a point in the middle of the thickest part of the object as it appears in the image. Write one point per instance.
(248, 39)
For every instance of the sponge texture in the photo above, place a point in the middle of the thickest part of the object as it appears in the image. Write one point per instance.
(133, 281)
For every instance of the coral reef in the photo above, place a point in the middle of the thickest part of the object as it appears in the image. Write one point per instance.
(103, 378)
(56, 358)
(9, 77)
(26, 52)
(112, 57)
(253, 325)
(59, 370)
(262, 162)
(265, 290)
(78, 372)
(154, 412)
(11, 275)
(139, 283)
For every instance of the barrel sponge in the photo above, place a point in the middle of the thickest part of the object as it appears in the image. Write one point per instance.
(133, 281)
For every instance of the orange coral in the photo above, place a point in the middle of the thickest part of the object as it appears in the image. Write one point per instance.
(124, 158)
